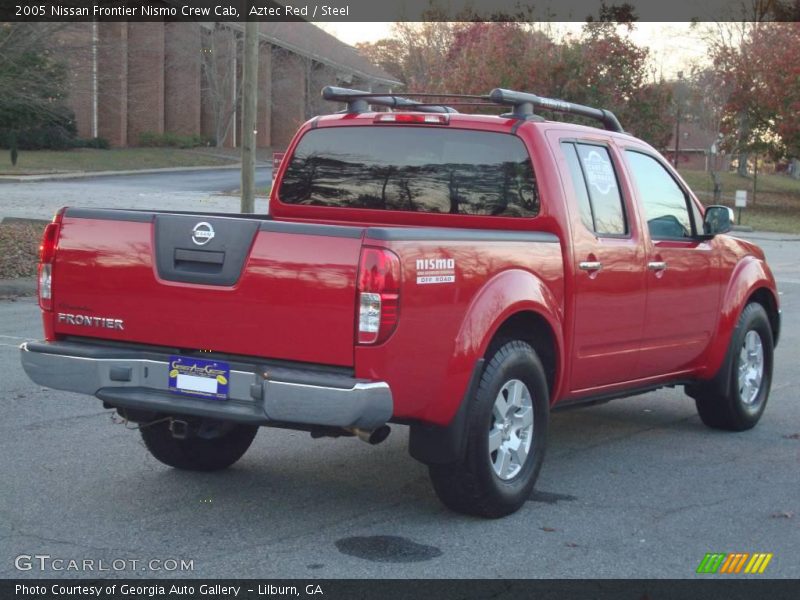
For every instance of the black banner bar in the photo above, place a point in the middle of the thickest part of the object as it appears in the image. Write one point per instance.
(716, 588)
(400, 10)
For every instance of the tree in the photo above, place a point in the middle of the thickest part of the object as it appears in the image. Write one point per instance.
(32, 81)
(705, 101)
(601, 67)
(646, 113)
(605, 68)
(387, 54)
(744, 122)
(785, 10)
(776, 53)
(426, 46)
(756, 64)
(221, 83)
(483, 56)
(706, 98)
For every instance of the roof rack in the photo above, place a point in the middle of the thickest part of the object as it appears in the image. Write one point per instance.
(524, 105)
(359, 101)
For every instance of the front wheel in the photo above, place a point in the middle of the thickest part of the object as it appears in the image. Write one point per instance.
(206, 449)
(505, 438)
(750, 357)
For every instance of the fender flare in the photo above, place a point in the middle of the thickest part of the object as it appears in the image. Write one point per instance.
(749, 277)
(505, 295)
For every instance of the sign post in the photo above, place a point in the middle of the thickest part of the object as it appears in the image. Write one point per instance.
(741, 202)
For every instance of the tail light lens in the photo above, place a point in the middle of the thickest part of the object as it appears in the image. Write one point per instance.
(413, 118)
(47, 253)
(379, 295)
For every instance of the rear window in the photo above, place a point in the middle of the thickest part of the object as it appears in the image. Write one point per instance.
(412, 169)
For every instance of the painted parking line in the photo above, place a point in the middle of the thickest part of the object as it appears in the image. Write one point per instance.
(16, 338)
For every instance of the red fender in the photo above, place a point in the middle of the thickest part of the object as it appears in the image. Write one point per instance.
(749, 275)
(503, 296)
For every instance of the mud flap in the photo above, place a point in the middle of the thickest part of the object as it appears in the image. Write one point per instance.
(443, 444)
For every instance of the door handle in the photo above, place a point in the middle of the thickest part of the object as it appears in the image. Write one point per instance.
(657, 265)
(590, 265)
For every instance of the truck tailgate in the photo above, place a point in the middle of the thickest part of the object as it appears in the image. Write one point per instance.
(224, 284)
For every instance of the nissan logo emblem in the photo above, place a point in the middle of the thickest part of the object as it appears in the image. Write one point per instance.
(202, 233)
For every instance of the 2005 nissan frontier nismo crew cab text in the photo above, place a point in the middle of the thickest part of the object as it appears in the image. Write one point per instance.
(460, 274)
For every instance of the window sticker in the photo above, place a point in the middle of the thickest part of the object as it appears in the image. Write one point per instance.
(599, 172)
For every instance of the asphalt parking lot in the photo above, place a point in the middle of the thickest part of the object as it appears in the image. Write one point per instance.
(634, 488)
(203, 190)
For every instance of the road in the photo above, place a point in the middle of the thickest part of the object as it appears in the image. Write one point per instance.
(634, 488)
(181, 190)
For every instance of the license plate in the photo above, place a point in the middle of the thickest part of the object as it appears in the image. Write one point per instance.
(199, 377)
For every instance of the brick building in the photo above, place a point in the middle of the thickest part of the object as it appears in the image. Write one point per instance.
(130, 78)
(698, 149)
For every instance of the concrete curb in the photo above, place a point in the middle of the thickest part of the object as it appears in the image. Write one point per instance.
(23, 286)
(90, 174)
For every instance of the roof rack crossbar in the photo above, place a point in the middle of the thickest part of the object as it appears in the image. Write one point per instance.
(358, 101)
(524, 104)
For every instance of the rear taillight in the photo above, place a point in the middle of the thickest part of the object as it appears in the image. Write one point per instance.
(47, 253)
(378, 295)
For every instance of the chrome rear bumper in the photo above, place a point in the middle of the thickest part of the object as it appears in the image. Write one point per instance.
(133, 379)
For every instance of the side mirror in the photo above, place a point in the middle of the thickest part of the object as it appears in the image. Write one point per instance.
(718, 219)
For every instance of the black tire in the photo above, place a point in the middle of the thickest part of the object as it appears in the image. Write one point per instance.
(721, 404)
(198, 453)
(472, 485)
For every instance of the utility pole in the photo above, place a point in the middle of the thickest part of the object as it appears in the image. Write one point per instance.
(677, 120)
(249, 108)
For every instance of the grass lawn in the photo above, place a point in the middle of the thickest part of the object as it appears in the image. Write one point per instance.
(35, 162)
(777, 201)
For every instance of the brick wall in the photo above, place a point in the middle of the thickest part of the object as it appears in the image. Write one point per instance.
(220, 78)
(145, 79)
(182, 55)
(155, 77)
(289, 72)
(75, 41)
(112, 67)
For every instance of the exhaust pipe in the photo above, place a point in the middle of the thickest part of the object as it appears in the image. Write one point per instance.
(374, 436)
(179, 429)
(370, 436)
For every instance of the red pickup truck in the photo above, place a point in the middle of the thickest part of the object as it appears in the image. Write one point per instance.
(461, 274)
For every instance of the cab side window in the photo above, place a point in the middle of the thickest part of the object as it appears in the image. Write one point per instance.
(595, 182)
(666, 206)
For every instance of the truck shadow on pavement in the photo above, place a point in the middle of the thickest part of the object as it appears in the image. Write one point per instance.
(285, 474)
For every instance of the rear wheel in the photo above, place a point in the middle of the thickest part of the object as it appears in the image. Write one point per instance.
(506, 438)
(209, 447)
(750, 376)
